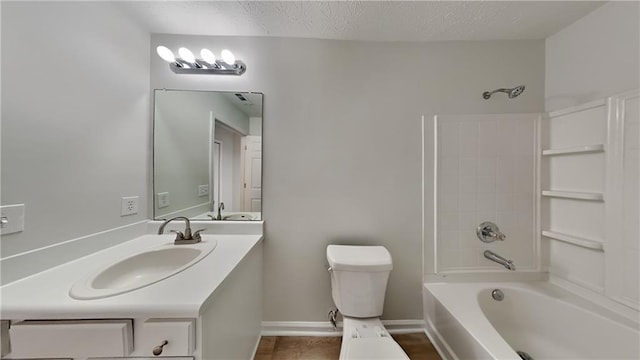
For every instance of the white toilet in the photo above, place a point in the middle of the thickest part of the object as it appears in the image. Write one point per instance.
(358, 282)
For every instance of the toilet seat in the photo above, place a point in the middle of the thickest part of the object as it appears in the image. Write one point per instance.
(368, 339)
(373, 348)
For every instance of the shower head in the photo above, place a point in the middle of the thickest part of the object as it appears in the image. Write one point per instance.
(516, 91)
(511, 92)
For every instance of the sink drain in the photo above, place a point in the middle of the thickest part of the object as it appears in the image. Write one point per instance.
(524, 356)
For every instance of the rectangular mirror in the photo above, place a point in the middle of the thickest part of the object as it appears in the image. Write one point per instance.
(207, 155)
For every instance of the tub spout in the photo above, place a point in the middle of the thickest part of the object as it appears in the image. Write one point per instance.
(500, 260)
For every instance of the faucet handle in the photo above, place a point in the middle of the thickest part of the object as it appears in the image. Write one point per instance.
(179, 234)
(501, 236)
(196, 234)
(489, 232)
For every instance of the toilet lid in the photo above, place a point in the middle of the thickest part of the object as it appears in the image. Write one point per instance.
(359, 258)
(374, 348)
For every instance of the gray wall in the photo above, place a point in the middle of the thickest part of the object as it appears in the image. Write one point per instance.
(595, 57)
(75, 119)
(342, 146)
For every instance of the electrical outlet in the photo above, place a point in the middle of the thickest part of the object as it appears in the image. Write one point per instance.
(129, 205)
(203, 190)
(162, 199)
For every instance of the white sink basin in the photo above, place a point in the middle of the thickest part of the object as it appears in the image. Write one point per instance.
(140, 270)
(239, 216)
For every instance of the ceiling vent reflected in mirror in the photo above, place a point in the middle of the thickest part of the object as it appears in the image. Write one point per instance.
(241, 97)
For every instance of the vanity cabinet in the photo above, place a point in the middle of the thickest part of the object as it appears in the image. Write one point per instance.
(223, 324)
(102, 339)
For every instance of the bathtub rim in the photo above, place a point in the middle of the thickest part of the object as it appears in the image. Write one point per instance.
(482, 332)
(590, 296)
(481, 329)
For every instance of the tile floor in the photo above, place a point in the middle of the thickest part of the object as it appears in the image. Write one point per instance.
(417, 346)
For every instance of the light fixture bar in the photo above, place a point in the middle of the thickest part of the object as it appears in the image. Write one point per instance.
(208, 64)
(218, 68)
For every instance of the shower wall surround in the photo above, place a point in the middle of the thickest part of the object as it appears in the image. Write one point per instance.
(590, 196)
(485, 172)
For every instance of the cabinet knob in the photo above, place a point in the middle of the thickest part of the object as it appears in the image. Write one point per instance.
(158, 349)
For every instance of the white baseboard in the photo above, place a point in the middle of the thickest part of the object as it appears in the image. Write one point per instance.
(255, 348)
(324, 328)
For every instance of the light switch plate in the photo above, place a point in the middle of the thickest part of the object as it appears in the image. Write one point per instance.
(12, 219)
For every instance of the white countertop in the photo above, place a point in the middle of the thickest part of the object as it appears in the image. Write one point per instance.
(45, 295)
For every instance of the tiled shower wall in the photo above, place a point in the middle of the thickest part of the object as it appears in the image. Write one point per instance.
(485, 171)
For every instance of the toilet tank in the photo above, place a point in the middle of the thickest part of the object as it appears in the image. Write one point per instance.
(359, 277)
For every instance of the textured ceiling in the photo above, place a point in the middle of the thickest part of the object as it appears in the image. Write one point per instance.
(362, 20)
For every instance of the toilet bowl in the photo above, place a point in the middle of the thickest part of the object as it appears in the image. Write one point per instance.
(359, 277)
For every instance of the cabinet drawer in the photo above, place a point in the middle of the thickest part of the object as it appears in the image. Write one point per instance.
(178, 333)
(70, 338)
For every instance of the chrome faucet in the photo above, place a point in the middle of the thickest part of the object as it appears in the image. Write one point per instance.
(187, 237)
(220, 207)
(499, 259)
(489, 232)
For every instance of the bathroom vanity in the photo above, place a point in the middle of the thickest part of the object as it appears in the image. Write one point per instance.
(209, 310)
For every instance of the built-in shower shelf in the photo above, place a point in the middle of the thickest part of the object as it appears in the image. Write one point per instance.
(573, 195)
(596, 148)
(574, 240)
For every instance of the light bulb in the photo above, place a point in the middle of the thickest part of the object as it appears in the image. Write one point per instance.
(227, 56)
(165, 54)
(208, 56)
(186, 55)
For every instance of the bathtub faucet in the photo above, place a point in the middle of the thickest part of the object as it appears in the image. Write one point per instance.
(499, 259)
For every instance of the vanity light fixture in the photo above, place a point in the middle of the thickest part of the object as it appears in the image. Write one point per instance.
(187, 63)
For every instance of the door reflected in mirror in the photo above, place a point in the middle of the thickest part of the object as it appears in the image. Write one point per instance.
(207, 155)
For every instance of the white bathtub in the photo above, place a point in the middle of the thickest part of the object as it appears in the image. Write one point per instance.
(541, 319)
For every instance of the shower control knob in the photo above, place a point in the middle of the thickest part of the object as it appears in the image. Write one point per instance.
(489, 232)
